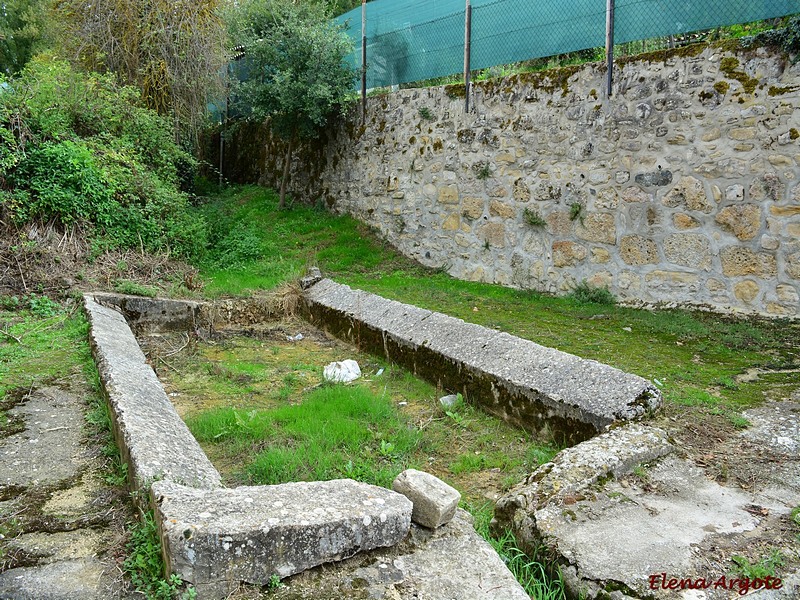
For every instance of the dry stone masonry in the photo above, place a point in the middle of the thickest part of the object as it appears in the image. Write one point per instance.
(681, 188)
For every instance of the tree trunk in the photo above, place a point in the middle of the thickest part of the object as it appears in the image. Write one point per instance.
(282, 203)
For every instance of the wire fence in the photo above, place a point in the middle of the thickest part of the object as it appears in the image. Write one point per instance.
(413, 40)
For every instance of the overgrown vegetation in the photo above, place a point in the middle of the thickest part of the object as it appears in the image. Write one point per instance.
(145, 566)
(78, 150)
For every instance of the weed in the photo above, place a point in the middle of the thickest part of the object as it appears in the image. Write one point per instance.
(575, 210)
(145, 565)
(274, 583)
(765, 567)
(482, 171)
(42, 306)
(426, 113)
(123, 286)
(533, 218)
(590, 294)
(533, 573)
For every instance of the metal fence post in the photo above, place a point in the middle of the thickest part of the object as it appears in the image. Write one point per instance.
(467, 53)
(609, 45)
(363, 61)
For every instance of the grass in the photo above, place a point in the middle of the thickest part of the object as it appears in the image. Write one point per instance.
(261, 412)
(695, 357)
(764, 567)
(532, 573)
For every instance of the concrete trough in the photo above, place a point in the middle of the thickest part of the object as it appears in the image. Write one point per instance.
(537, 388)
(215, 537)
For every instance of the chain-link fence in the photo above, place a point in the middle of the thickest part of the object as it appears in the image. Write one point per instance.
(414, 40)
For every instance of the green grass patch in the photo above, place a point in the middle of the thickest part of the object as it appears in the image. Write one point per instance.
(334, 432)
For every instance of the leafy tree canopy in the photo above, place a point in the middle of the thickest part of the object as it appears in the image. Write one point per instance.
(298, 78)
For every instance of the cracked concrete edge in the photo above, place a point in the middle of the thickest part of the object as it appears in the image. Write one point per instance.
(531, 385)
(153, 440)
(218, 538)
(574, 471)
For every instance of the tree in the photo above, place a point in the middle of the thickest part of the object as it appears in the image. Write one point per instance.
(172, 50)
(298, 77)
(24, 29)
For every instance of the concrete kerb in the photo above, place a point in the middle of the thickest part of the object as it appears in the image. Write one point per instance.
(535, 387)
(167, 467)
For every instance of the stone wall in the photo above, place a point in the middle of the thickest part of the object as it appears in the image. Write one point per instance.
(682, 188)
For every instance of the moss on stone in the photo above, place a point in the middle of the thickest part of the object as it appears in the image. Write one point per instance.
(456, 90)
(728, 67)
(689, 51)
(779, 91)
(722, 87)
(793, 134)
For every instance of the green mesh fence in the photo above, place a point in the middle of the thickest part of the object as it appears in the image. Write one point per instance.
(415, 40)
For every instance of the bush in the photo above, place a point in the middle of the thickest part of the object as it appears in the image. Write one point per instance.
(77, 148)
(589, 294)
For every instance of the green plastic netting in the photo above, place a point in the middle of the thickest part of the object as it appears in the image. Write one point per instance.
(414, 40)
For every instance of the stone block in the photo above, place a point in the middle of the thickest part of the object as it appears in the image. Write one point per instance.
(746, 291)
(501, 209)
(494, 234)
(215, 539)
(153, 439)
(784, 211)
(684, 221)
(638, 250)
(434, 501)
(558, 222)
(742, 261)
(597, 227)
(636, 194)
(742, 220)
(472, 207)
(690, 193)
(567, 254)
(688, 250)
(521, 192)
(793, 265)
(448, 194)
(767, 187)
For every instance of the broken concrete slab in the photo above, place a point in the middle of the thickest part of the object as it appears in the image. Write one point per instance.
(611, 531)
(51, 417)
(81, 579)
(575, 469)
(442, 564)
(538, 388)
(618, 537)
(776, 426)
(434, 501)
(153, 440)
(218, 538)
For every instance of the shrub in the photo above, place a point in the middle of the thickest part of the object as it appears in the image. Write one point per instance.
(589, 294)
(77, 148)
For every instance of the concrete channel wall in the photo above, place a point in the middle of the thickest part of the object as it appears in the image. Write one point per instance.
(540, 389)
(215, 537)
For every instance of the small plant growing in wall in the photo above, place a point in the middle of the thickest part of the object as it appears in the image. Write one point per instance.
(575, 211)
(482, 170)
(533, 218)
(426, 113)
